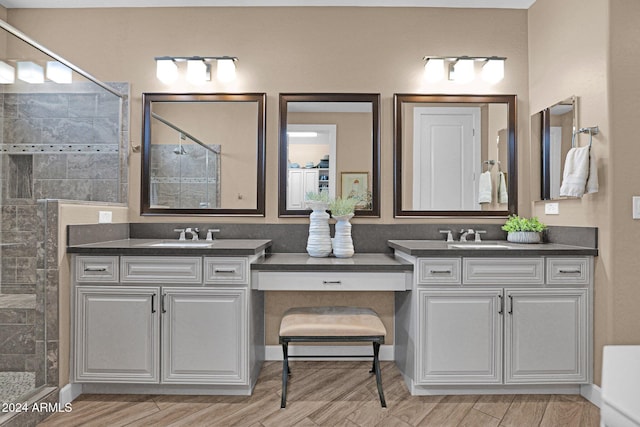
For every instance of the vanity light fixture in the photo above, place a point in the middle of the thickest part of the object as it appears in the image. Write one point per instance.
(461, 69)
(7, 73)
(198, 68)
(59, 73)
(30, 72)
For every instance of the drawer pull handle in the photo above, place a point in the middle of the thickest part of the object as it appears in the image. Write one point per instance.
(162, 302)
(225, 270)
(332, 282)
(510, 304)
(96, 269)
(570, 271)
(440, 271)
(501, 305)
(153, 303)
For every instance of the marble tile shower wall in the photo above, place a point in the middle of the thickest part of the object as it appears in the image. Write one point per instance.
(73, 139)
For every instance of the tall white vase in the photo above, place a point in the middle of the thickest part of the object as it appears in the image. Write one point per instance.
(342, 242)
(319, 241)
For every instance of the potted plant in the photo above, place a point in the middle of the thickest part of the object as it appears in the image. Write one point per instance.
(342, 210)
(523, 230)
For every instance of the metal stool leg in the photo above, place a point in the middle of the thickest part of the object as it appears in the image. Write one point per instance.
(285, 372)
(376, 366)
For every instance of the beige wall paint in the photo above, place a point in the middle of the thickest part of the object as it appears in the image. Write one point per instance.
(569, 55)
(74, 213)
(367, 50)
(623, 289)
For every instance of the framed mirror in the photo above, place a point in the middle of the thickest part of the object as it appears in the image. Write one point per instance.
(329, 143)
(455, 155)
(203, 154)
(554, 127)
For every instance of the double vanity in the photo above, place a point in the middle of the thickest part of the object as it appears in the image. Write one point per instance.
(162, 316)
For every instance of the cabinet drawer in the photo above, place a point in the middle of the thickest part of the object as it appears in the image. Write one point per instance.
(161, 269)
(438, 271)
(331, 281)
(103, 269)
(226, 270)
(568, 271)
(508, 271)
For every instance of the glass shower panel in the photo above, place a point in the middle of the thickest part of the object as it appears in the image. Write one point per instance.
(57, 141)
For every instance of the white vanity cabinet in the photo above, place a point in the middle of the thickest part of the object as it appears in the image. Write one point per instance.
(170, 321)
(117, 334)
(499, 322)
(300, 181)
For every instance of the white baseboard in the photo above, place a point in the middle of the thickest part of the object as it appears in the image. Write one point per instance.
(592, 393)
(69, 393)
(274, 352)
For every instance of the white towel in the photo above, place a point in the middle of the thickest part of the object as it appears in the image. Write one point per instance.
(484, 188)
(580, 173)
(503, 197)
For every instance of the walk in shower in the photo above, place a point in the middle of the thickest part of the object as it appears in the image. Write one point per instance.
(63, 135)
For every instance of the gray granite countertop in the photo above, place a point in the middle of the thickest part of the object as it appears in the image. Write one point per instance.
(303, 262)
(440, 248)
(142, 247)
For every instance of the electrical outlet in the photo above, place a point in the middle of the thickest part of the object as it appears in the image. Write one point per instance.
(104, 216)
(636, 207)
(551, 208)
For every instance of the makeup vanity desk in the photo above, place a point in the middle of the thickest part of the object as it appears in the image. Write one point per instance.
(300, 272)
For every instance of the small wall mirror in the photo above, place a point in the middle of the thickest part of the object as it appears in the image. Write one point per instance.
(554, 127)
(329, 143)
(203, 154)
(455, 155)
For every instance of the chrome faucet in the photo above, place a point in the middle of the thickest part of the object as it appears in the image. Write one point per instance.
(210, 233)
(193, 231)
(464, 233)
(181, 231)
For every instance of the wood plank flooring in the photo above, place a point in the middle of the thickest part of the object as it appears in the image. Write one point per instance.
(329, 394)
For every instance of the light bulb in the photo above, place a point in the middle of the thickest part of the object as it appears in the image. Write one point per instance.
(463, 70)
(7, 73)
(196, 71)
(59, 73)
(30, 72)
(226, 70)
(493, 70)
(166, 70)
(434, 70)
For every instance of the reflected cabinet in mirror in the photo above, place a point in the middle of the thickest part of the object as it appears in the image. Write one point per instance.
(203, 154)
(455, 155)
(329, 143)
(554, 128)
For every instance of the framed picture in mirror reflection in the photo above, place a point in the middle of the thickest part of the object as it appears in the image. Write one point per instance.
(356, 185)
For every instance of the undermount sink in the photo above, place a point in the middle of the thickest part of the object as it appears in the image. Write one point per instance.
(179, 244)
(479, 246)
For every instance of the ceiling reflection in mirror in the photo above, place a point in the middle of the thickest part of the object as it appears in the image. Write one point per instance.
(329, 144)
(203, 154)
(455, 155)
(553, 128)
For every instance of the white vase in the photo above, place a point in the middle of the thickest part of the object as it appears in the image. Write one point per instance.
(319, 241)
(523, 237)
(342, 242)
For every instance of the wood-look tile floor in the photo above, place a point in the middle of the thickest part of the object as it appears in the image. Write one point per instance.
(329, 394)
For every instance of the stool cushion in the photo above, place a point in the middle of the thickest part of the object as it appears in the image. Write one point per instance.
(330, 322)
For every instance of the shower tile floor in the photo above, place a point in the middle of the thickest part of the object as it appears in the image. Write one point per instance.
(13, 385)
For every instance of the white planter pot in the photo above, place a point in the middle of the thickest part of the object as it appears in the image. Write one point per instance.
(342, 242)
(523, 237)
(319, 241)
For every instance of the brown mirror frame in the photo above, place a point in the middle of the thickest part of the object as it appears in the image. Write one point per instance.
(512, 174)
(148, 98)
(372, 98)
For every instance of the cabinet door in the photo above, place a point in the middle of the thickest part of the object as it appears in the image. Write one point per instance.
(205, 333)
(546, 336)
(116, 335)
(460, 336)
(299, 183)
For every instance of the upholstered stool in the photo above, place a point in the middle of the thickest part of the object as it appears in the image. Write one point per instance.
(331, 324)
